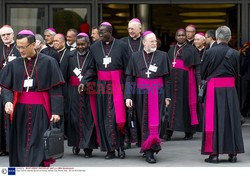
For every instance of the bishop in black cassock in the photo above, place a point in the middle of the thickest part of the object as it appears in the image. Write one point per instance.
(110, 57)
(35, 80)
(8, 53)
(148, 91)
(82, 119)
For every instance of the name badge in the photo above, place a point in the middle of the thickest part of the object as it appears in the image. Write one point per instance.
(28, 83)
(77, 71)
(106, 60)
(11, 58)
(153, 68)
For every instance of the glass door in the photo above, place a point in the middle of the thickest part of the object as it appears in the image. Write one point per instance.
(33, 17)
(64, 17)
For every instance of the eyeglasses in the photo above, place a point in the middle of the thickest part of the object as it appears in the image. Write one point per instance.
(7, 34)
(23, 47)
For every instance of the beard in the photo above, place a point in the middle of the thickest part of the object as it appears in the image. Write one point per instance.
(151, 50)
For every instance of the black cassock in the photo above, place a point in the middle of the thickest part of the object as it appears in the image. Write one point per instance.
(63, 60)
(137, 69)
(227, 136)
(110, 137)
(133, 45)
(7, 54)
(81, 127)
(30, 121)
(180, 115)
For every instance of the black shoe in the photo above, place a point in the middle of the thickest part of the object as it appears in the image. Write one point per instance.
(150, 157)
(75, 150)
(121, 153)
(188, 136)
(144, 155)
(212, 159)
(127, 146)
(88, 153)
(232, 158)
(110, 155)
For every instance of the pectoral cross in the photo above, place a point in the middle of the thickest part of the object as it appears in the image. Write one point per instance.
(4, 64)
(80, 77)
(27, 89)
(174, 63)
(105, 65)
(148, 73)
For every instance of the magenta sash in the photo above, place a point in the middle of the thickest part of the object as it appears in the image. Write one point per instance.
(192, 90)
(152, 85)
(115, 76)
(209, 108)
(74, 81)
(36, 98)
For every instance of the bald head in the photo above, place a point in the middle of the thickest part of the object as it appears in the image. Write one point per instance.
(59, 42)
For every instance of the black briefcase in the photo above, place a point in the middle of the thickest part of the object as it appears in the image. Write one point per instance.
(53, 142)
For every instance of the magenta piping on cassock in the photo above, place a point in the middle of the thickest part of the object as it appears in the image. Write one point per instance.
(192, 90)
(74, 81)
(152, 85)
(115, 76)
(209, 108)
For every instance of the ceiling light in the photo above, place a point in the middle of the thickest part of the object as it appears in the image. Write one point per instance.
(206, 6)
(117, 6)
(203, 14)
(204, 21)
(122, 14)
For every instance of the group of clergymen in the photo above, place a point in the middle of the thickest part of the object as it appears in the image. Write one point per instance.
(115, 92)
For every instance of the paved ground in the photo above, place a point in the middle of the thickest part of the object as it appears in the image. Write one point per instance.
(175, 153)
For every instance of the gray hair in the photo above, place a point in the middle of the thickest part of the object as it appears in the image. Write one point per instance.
(39, 37)
(223, 34)
(50, 32)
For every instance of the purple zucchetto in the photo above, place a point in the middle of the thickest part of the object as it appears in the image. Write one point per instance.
(106, 24)
(26, 32)
(135, 20)
(83, 34)
(146, 33)
(52, 29)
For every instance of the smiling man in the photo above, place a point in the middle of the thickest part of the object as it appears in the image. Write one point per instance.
(36, 82)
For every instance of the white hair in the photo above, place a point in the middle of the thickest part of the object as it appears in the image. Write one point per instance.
(134, 22)
(6, 28)
(223, 34)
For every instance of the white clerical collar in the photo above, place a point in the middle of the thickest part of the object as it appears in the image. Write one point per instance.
(136, 37)
(61, 50)
(43, 47)
(201, 48)
(211, 44)
(180, 45)
(8, 45)
(73, 45)
(50, 45)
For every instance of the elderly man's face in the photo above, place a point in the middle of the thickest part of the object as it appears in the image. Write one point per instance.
(150, 43)
(190, 32)
(7, 36)
(59, 42)
(71, 37)
(48, 38)
(199, 42)
(134, 30)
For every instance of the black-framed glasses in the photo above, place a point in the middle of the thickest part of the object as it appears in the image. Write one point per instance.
(23, 47)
